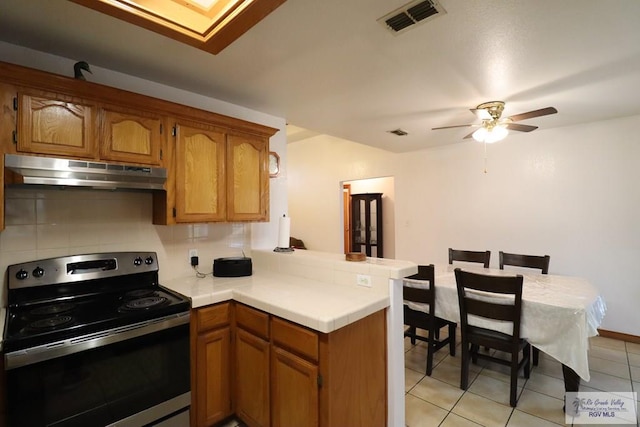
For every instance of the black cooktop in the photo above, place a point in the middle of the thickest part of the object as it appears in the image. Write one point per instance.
(51, 321)
(72, 297)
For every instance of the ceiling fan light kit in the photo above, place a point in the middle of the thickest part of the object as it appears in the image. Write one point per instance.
(490, 135)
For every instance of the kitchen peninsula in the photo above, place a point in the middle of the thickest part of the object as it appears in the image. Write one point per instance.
(327, 333)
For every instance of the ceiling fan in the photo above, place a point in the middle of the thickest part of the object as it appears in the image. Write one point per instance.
(494, 128)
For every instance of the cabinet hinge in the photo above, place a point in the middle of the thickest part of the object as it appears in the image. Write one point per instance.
(174, 212)
(319, 381)
(160, 154)
(15, 103)
(15, 137)
(174, 131)
(160, 128)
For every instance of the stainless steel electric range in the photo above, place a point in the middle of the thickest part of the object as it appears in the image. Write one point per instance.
(95, 340)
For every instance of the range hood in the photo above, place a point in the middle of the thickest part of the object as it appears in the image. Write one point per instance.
(79, 173)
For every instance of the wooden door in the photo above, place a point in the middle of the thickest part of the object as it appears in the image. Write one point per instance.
(130, 136)
(213, 393)
(346, 216)
(55, 124)
(294, 390)
(252, 379)
(200, 173)
(247, 178)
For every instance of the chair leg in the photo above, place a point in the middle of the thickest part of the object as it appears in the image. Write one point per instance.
(464, 366)
(431, 344)
(536, 355)
(412, 334)
(452, 339)
(514, 380)
(474, 353)
(527, 365)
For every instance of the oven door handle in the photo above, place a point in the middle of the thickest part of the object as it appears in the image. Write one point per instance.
(19, 358)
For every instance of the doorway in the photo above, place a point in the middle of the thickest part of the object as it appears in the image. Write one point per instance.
(384, 185)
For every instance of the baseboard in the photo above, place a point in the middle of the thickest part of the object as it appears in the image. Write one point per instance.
(619, 336)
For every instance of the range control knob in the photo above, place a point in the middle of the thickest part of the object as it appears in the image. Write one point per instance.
(22, 274)
(148, 260)
(38, 272)
(137, 261)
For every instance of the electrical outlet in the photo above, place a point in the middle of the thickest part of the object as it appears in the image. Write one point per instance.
(364, 280)
(192, 253)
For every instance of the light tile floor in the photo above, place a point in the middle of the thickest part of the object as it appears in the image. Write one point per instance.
(438, 401)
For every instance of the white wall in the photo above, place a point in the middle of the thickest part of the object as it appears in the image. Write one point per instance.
(571, 193)
(317, 167)
(52, 223)
(385, 186)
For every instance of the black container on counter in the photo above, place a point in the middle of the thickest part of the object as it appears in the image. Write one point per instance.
(232, 267)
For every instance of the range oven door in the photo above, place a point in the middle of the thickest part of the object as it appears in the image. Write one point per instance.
(132, 383)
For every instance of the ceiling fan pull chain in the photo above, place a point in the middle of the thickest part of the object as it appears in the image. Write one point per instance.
(485, 157)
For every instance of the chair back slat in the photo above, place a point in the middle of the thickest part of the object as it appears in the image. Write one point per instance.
(420, 295)
(527, 261)
(494, 307)
(481, 257)
(490, 310)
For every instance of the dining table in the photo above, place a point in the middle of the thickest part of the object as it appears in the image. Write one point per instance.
(559, 314)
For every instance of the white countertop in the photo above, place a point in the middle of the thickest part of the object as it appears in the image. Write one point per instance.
(323, 307)
(314, 289)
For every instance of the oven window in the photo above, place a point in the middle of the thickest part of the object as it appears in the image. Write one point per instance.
(102, 385)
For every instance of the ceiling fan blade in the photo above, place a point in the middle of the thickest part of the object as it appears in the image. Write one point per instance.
(455, 126)
(521, 128)
(470, 135)
(532, 114)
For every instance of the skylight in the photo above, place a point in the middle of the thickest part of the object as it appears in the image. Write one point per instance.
(210, 25)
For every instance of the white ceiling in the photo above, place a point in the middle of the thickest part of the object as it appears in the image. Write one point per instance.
(329, 67)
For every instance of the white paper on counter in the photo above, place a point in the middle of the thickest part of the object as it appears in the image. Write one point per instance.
(284, 232)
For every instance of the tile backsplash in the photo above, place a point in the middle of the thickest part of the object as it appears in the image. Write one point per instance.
(43, 223)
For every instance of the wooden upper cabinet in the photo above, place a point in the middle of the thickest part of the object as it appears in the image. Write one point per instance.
(247, 178)
(200, 173)
(130, 136)
(55, 124)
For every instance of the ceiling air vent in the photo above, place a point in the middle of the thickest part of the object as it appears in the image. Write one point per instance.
(411, 14)
(398, 132)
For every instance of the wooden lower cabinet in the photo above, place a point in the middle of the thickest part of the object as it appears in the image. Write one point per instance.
(286, 375)
(211, 365)
(294, 390)
(252, 379)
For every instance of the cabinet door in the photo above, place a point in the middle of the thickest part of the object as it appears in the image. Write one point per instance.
(200, 173)
(55, 124)
(252, 379)
(130, 136)
(248, 178)
(294, 390)
(213, 393)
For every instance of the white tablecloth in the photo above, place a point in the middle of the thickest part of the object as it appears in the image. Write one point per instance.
(559, 313)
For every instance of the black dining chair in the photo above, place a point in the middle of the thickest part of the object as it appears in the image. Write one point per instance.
(419, 290)
(494, 298)
(527, 261)
(482, 257)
